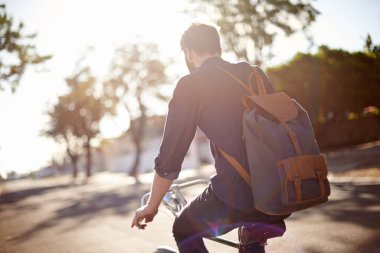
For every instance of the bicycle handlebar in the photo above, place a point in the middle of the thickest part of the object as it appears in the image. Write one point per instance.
(188, 184)
(176, 188)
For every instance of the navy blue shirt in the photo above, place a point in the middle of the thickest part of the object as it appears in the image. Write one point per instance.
(210, 99)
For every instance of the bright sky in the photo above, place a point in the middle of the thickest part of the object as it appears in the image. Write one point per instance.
(65, 28)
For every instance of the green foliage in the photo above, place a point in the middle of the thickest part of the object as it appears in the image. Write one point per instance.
(331, 84)
(370, 48)
(79, 111)
(16, 51)
(252, 24)
(75, 118)
(136, 76)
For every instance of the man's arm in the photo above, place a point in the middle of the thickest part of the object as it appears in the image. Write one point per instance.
(159, 188)
(180, 127)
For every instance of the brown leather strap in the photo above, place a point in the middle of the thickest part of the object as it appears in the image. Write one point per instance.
(322, 187)
(246, 87)
(234, 163)
(259, 81)
(320, 176)
(293, 138)
(237, 166)
(297, 186)
(261, 90)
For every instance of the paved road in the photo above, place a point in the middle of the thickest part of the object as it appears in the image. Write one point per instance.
(58, 216)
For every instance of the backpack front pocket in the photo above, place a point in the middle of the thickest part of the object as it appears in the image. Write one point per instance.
(304, 179)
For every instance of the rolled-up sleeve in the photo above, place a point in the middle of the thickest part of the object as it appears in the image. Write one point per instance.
(181, 124)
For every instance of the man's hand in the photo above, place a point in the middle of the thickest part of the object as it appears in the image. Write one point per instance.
(143, 213)
(159, 188)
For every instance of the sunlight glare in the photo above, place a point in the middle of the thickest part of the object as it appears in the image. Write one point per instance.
(65, 29)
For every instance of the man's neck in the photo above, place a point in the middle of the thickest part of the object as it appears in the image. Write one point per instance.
(201, 59)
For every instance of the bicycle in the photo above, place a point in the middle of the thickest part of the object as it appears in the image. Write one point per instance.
(248, 235)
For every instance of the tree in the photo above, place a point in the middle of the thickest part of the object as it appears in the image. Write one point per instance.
(370, 48)
(331, 83)
(16, 51)
(135, 79)
(254, 24)
(60, 128)
(75, 118)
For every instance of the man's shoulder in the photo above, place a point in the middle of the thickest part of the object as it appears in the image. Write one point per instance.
(244, 65)
(206, 72)
(192, 79)
(209, 72)
(240, 69)
(185, 81)
(186, 85)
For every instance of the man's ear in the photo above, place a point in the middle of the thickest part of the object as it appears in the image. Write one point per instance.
(189, 54)
(190, 58)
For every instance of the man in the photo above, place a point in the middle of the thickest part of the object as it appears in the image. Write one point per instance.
(210, 99)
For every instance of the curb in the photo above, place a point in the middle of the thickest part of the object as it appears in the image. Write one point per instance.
(353, 180)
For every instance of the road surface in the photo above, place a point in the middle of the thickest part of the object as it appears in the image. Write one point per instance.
(59, 216)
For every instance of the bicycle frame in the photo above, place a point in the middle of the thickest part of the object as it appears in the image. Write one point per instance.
(174, 201)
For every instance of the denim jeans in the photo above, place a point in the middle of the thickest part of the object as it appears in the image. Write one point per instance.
(207, 216)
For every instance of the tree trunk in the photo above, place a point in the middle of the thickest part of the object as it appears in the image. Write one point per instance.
(74, 164)
(136, 162)
(137, 129)
(89, 155)
(73, 158)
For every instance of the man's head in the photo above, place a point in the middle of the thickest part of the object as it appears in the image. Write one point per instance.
(199, 42)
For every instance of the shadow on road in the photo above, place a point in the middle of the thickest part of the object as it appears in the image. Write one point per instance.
(370, 245)
(351, 208)
(361, 157)
(359, 205)
(81, 203)
(352, 203)
(17, 196)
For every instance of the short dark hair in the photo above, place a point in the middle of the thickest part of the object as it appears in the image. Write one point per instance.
(202, 38)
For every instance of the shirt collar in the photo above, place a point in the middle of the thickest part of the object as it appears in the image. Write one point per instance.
(212, 61)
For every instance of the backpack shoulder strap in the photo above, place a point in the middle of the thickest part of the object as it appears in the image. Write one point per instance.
(246, 87)
(237, 166)
(259, 81)
(261, 90)
(234, 163)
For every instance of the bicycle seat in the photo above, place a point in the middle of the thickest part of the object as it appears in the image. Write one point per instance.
(260, 232)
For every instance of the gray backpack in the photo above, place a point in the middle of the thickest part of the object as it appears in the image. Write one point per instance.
(287, 171)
